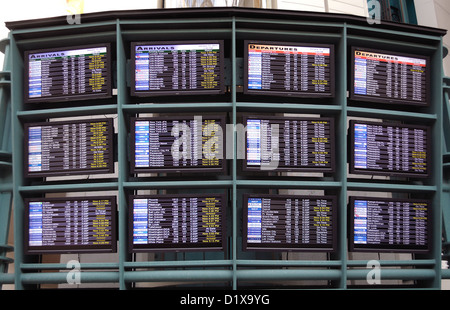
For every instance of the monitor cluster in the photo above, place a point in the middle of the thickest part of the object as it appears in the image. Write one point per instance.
(185, 144)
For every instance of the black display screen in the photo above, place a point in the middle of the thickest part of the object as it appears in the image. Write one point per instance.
(289, 222)
(289, 144)
(389, 149)
(178, 144)
(69, 147)
(177, 222)
(70, 225)
(289, 69)
(72, 73)
(167, 68)
(390, 77)
(389, 224)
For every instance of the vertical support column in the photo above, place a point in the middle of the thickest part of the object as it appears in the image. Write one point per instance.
(5, 217)
(122, 154)
(17, 157)
(5, 102)
(5, 169)
(234, 167)
(341, 152)
(437, 160)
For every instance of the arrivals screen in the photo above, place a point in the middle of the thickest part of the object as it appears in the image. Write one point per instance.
(289, 69)
(73, 73)
(178, 144)
(390, 77)
(389, 149)
(163, 68)
(69, 148)
(389, 224)
(289, 144)
(70, 225)
(177, 222)
(279, 222)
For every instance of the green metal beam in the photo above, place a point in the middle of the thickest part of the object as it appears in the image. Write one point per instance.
(65, 112)
(61, 277)
(393, 274)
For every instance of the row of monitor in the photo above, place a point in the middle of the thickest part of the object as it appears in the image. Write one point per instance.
(189, 222)
(197, 67)
(198, 144)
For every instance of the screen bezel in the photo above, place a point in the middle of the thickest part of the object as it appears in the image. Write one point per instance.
(69, 97)
(152, 93)
(386, 172)
(179, 247)
(245, 167)
(387, 248)
(285, 246)
(87, 171)
(290, 93)
(173, 169)
(112, 248)
(375, 99)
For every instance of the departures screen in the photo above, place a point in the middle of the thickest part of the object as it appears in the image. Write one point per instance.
(389, 224)
(177, 222)
(389, 149)
(289, 222)
(390, 77)
(178, 67)
(68, 73)
(289, 143)
(290, 69)
(70, 225)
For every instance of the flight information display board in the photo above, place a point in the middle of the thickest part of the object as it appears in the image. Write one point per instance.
(72, 73)
(289, 144)
(289, 69)
(177, 222)
(69, 147)
(390, 77)
(167, 68)
(288, 222)
(389, 149)
(178, 144)
(389, 224)
(70, 225)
